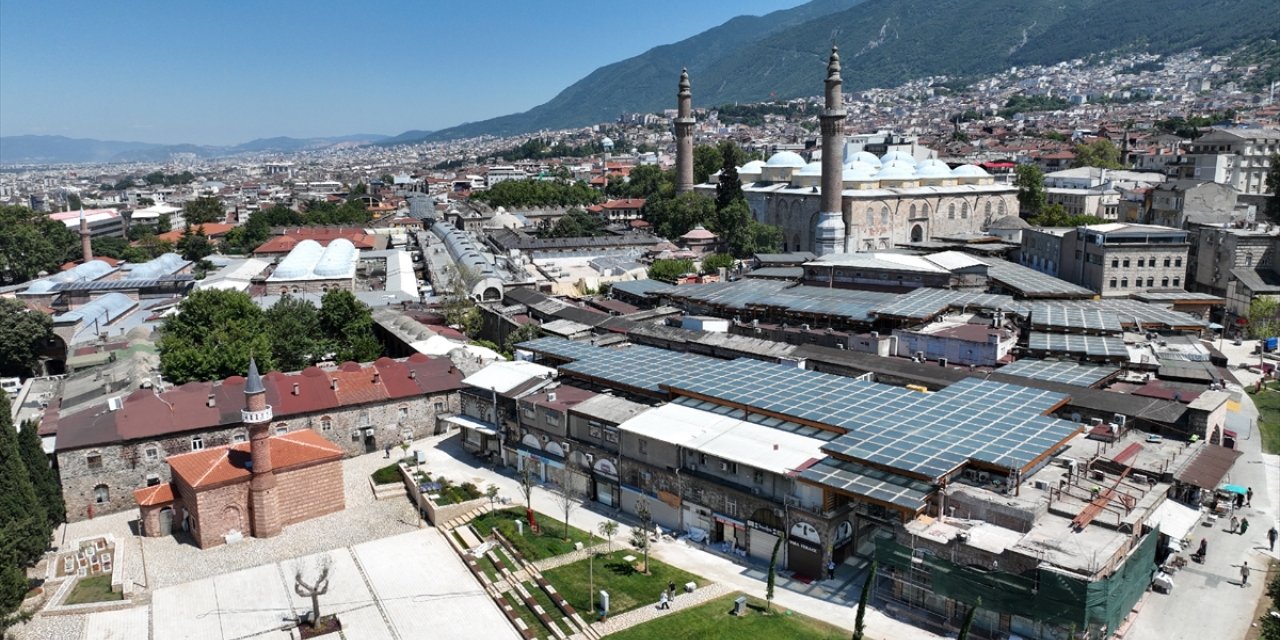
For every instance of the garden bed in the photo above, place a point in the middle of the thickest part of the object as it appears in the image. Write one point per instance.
(714, 621)
(95, 588)
(443, 491)
(628, 588)
(389, 474)
(549, 542)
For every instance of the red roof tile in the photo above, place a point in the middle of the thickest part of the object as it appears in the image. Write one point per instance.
(154, 495)
(222, 465)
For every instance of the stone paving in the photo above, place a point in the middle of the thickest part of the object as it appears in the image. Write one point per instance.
(649, 612)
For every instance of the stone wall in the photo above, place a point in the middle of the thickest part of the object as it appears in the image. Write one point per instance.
(219, 512)
(126, 466)
(437, 515)
(309, 492)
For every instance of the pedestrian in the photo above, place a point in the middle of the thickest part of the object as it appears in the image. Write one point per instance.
(386, 451)
(1248, 500)
(831, 569)
(1244, 525)
(1235, 524)
(1271, 539)
(1238, 501)
(671, 588)
(1244, 574)
(664, 602)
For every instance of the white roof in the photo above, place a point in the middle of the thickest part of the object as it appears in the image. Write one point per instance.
(1175, 520)
(785, 159)
(747, 443)
(504, 376)
(952, 260)
(891, 261)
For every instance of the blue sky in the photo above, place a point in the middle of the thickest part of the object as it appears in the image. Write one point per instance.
(227, 72)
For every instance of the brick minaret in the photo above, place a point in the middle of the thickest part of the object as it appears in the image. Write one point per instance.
(831, 227)
(264, 503)
(684, 135)
(86, 242)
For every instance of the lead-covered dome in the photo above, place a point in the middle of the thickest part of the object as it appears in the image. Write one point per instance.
(786, 159)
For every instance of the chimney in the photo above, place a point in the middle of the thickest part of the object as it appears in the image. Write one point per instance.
(551, 397)
(296, 387)
(413, 374)
(377, 378)
(775, 447)
(211, 401)
(333, 384)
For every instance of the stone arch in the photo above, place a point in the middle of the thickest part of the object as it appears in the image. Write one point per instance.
(924, 209)
(951, 211)
(964, 210)
(913, 210)
(795, 242)
(554, 449)
(233, 517)
(807, 532)
(101, 494)
(884, 243)
(917, 233)
(1002, 208)
(531, 441)
(884, 215)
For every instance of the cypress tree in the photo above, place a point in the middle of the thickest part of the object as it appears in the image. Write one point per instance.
(859, 627)
(773, 573)
(43, 478)
(968, 620)
(22, 517)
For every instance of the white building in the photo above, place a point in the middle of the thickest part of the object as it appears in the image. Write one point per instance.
(1238, 157)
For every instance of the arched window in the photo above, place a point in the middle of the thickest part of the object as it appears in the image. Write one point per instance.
(986, 211)
(913, 210)
(101, 494)
(1002, 208)
(951, 211)
(871, 217)
(925, 210)
(964, 210)
(884, 215)
(326, 424)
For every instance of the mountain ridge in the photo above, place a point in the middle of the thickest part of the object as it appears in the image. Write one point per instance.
(53, 149)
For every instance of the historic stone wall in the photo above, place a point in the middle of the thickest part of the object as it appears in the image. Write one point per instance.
(309, 492)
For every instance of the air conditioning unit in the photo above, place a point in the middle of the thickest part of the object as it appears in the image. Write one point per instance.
(942, 362)
(983, 476)
(755, 491)
(724, 466)
(116, 403)
(971, 474)
(1040, 484)
(1119, 419)
(565, 446)
(590, 459)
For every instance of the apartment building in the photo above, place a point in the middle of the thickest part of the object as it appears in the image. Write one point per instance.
(1120, 259)
(1237, 157)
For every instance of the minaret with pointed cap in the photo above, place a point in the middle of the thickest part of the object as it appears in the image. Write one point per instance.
(684, 135)
(264, 503)
(831, 227)
(86, 241)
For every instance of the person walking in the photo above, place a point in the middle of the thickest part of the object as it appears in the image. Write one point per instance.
(1244, 525)
(671, 588)
(1204, 549)
(831, 569)
(1244, 574)
(1271, 539)
(1235, 524)
(1248, 500)
(664, 602)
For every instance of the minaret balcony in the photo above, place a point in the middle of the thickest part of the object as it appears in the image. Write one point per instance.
(255, 417)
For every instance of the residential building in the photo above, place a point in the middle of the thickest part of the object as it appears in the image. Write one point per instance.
(1237, 157)
(1120, 259)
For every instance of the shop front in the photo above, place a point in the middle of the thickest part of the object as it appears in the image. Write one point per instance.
(764, 529)
(604, 483)
(804, 550)
(730, 532)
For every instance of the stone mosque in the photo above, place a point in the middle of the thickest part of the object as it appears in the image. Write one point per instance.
(854, 201)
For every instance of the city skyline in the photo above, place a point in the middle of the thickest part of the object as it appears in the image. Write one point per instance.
(263, 75)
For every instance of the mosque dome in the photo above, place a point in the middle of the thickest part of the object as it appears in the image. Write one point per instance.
(969, 171)
(606, 142)
(897, 156)
(751, 168)
(897, 170)
(503, 220)
(933, 169)
(861, 166)
(867, 157)
(811, 169)
(786, 159)
(299, 262)
(337, 259)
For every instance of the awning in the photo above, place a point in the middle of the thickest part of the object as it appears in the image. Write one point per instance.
(1235, 488)
(1175, 520)
(467, 422)
(1209, 467)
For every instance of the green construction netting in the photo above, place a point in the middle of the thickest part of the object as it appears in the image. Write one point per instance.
(1046, 596)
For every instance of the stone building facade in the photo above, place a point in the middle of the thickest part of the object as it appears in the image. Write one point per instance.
(107, 452)
(1122, 259)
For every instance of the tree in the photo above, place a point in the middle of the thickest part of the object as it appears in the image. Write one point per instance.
(669, 270)
(608, 529)
(729, 187)
(640, 534)
(43, 478)
(523, 333)
(1100, 153)
(1054, 215)
(110, 246)
(491, 492)
(577, 223)
(706, 161)
(314, 589)
(674, 217)
(293, 325)
(649, 181)
(203, 210)
(859, 624)
(716, 261)
(527, 481)
(736, 228)
(349, 323)
(1270, 623)
(1273, 185)
(1030, 182)
(968, 620)
(31, 243)
(773, 574)
(194, 245)
(1264, 317)
(22, 334)
(22, 516)
(212, 336)
(567, 498)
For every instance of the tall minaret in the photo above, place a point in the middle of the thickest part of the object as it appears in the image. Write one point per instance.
(86, 242)
(684, 135)
(264, 503)
(830, 235)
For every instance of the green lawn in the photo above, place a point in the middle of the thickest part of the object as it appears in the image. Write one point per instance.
(1268, 403)
(713, 621)
(389, 474)
(550, 542)
(93, 589)
(628, 589)
(547, 605)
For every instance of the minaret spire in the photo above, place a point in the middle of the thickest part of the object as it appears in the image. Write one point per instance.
(684, 135)
(831, 227)
(264, 503)
(86, 241)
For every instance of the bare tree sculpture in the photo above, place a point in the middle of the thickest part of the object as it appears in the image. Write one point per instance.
(314, 589)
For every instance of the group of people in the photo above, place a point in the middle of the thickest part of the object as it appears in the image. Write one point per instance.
(668, 596)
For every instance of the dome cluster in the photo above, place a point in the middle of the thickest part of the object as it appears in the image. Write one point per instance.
(863, 170)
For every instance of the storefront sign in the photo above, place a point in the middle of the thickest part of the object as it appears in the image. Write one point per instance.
(736, 524)
(752, 524)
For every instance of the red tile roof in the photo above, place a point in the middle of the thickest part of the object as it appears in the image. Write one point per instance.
(146, 414)
(213, 230)
(222, 465)
(154, 495)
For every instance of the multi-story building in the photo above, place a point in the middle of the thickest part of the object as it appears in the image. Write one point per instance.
(1237, 157)
(1220, 251)
(107, 451)
(1042, 249)
(1120, 259)
(1090, 191)
(1175, 203)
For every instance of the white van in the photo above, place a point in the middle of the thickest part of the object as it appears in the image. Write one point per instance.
(11, 386)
